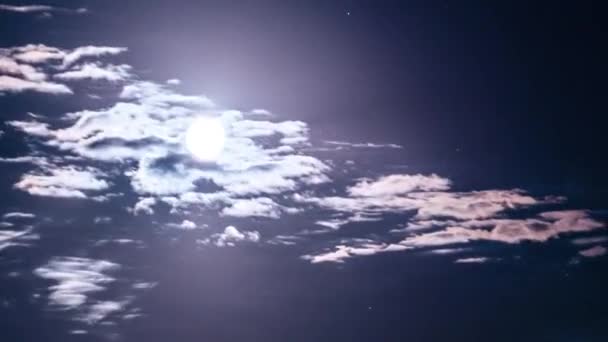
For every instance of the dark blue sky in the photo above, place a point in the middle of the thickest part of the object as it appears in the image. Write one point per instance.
(431, 170)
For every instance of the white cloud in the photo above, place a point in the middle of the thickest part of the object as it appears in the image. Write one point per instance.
(76, 278)
(10, 238)
(149, 129)
(100, 310)
(18, 73)
(398, 184)
(285, 240)
(343, 252)
(444, 251)
(258, 206)
(31, 127)
(470, 205)
(18, 215)
(17, 85)
(37, 53)
(26, 9)
(36, 160)
(62, 182)
(185, 225)
(173, 81)
(472, 260)
(24, 71)
(230, 236)
(40, 53)
(102, 220)
(337, 223)
(144, 205)
(259, 111)
(593, 252)
(96, 71)
(90, 51)
(40, 8)
(342, 144)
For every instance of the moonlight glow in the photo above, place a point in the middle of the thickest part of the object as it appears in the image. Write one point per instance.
(205, 138)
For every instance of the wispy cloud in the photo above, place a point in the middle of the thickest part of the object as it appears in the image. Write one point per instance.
(76, 280)
(62, 182)
(345, 144)
(230, 237)
(17, 85)
(41, 9)
(18, 215)
(343, 252)
(29, 67)
(472, 260)
(593, 252)
(96, 71)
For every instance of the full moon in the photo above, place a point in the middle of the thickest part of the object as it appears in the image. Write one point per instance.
(205, 138)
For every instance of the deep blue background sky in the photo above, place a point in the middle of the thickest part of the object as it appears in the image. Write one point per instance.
(489, 93)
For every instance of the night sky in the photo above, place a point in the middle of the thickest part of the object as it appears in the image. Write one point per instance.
(303, 171)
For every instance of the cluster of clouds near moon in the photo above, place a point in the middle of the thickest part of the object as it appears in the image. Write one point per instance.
(267, 168)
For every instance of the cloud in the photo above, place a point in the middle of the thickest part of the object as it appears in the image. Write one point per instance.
(66, 181)
(257, 206)
(230, 236)
(285, 240)
(593, 252)
(102, 309)
(11, 67)
(473, 260)
(337, 223)
(102, 220)
(444, 251)
(471, 205)
(400, 193)
(259, 111)
(16, 77)
(76, 280)
(17, 85)
(144, 206)
(56, 57)
(10, 238)
(343, 252)
(37, 53)
(39, 161)
(454, 217)
(545, 226)
(40, 8)
(342, 144)
(25, 68)
(590, 240)
(90, 51)
(31, 127)
(26, 9)
(173, 81)
(147, 130)
(398, 184)
(185, 225)
(96, 71)
(18, 215)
